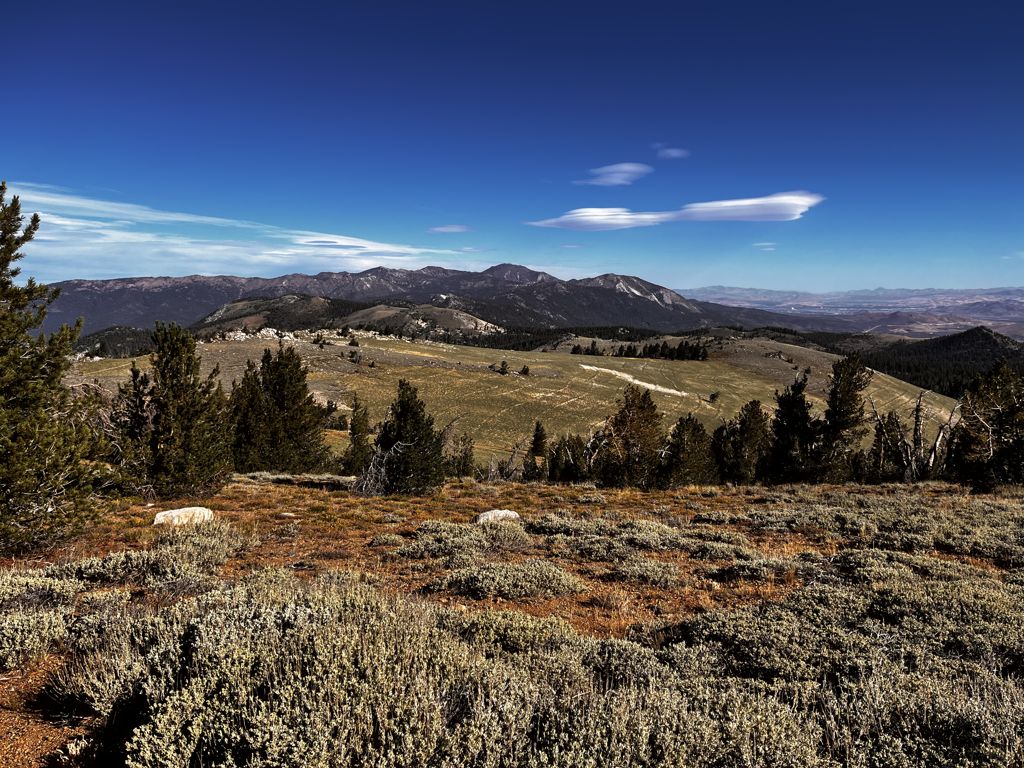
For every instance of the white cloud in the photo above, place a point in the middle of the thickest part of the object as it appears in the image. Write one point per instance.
(616, 175)
(91, 238)
(766, 247)
(451, 228)
(571, 245)
(784, 206)
(598, 219)
(665, 152)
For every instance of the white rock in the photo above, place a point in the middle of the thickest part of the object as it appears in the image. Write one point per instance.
(183, 516)
(496, 515)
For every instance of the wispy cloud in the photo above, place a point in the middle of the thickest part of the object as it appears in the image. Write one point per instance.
(665, 152)
(766, 247)
(784, 206)
(451, 228)
(616, 175)
(92, 238)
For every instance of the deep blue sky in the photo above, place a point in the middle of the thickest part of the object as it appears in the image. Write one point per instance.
(384, 120)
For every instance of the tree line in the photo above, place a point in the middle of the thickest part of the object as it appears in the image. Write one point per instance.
(172, 431)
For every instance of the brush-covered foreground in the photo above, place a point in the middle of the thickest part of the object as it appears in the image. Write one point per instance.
(705, 627)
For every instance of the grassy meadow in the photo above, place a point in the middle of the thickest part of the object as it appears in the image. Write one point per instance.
(569, 393)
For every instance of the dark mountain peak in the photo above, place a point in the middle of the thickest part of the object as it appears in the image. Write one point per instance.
(984, 336)
(636, 286)
(516, 273)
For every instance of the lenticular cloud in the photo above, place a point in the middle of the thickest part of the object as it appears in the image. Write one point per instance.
(783, 206)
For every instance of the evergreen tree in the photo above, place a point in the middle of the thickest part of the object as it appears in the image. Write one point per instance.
(631, 441)
(46, 484)
(688, 458)
(359, 452)
(277, 424)
(539, 442)
(988, 443)
(794, 456)
(844, 429)
(408, 448)
(174, 430)
(533, 462)
(741, 445)
(570, 460)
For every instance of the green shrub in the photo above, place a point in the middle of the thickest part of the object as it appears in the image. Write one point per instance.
(643, 570)
(30, 632)
(531, 578)
(25, 589)
(181, 557)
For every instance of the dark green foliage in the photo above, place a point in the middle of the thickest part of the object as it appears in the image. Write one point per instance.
(277, 425)
(843, 428)
(173, 433)
(570, 460)
(533, 462)
(688, 458)
(631, 441)
(684, 350)
(988, 442)
(948, 364)
(794, 456)
(46, 486)
(741, 445)
(359, 452)
(408, 448)
(539, 441)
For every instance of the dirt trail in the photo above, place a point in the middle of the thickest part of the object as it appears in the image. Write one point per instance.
(638, 382)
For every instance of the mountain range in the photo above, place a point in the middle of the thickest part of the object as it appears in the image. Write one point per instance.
(505, 295)
(1000, 308)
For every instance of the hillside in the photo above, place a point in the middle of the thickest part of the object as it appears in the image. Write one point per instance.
(947, 364)
(566, 392)
(290, 313)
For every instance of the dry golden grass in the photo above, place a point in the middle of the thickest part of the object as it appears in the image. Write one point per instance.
(569, 393)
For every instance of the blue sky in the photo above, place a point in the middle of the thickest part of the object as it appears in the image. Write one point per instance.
(868, 144)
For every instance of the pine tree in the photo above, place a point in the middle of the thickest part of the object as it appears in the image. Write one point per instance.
(277, 424)
(794, 456)
(631, 440)
(46, 485)
(359, 452)
(570, 460)
(173, 422)
(688, 458)
(988, 443)
(539, 442)
(533, 462)
(844, 428)
(408, 448)
(741, 445)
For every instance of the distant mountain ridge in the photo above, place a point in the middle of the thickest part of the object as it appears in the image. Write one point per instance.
(506, 295)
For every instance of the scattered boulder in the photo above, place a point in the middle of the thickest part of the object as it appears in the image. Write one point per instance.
(184, 516)
(496, 515)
